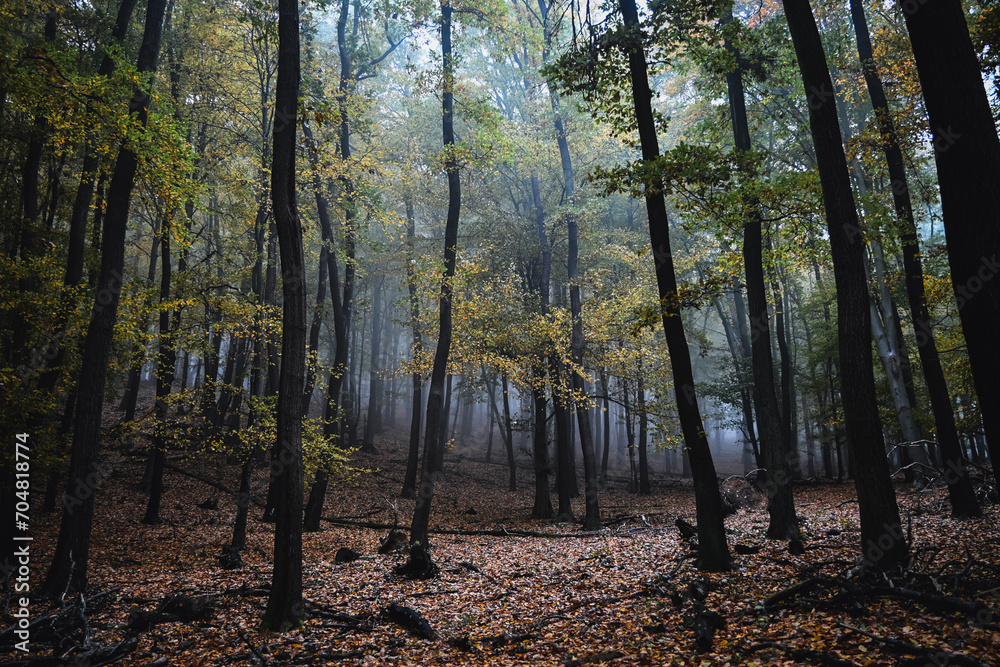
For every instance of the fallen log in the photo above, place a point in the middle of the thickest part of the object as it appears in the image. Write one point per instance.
(411, 620)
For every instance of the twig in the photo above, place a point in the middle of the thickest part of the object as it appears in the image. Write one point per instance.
(253, 649)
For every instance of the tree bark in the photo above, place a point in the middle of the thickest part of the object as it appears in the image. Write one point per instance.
(284, 606)
(713, 553)
(435, 394)
(967, 153)
(373, 423)
(417, 345)
(166, 358)
(881, 535)
(68, 570)
(960, 491)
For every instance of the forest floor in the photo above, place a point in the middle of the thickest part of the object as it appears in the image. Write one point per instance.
(627, 595)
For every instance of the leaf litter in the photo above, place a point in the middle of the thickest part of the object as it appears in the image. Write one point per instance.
(516, 591)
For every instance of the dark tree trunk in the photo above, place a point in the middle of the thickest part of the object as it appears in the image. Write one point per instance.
(417, 345)
(85, 191)
(565, 470)
(435, 395)
(960, 491)
(640, 406)
(130, 398)
(166, 358)
(243, 505)
(373, 424)
(508, 438)
(605, 390)
(68, 570)
(314, 330)
(713, 550)
(967, 153)
(542, 508)
(445, 412)
(334, 420)
(284, 606)
(592, 517)
(543, 503)
(882, 542)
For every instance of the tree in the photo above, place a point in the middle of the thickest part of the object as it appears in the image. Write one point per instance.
(68, 570)
(967, 154)
(713, 554)
(284, 605)
(592, 516)
(774, 439)
(882, 540)
(435, 391)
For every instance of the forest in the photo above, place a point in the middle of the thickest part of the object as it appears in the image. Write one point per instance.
(499, 332)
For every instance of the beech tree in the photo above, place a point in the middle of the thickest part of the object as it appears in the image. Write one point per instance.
(435, 390)
(713, 552)
(882, 541)
(967, 154)
(774, 439)
(960, 491)
(284, 605)
(68, 570)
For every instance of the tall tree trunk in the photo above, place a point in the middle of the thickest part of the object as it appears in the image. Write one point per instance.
(284, 605)
(68, 570)
(334, 420)
(542, 508)
(606, 391)
(417, 346)
(640, 406)
(314, 330)
(713, 550)
(130, 399)
(508, 436)
(543, 505)
(960, 491)
(373, 423)
(882, 542)
(967, 153)
(435, 395)
(166, 358)
(592, 517)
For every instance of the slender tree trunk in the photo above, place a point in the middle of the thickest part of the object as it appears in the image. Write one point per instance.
(68, 570)
(284, 605)
(166, 359)
(334, 418)
(314, 330)
(640, 405)
(882, 539)
(542, 508)
(416, 348)
(243, 505)
(375, 372)
(605, 389)
(960, 491)
(435, 395)
(713, 550)
(508, 435)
